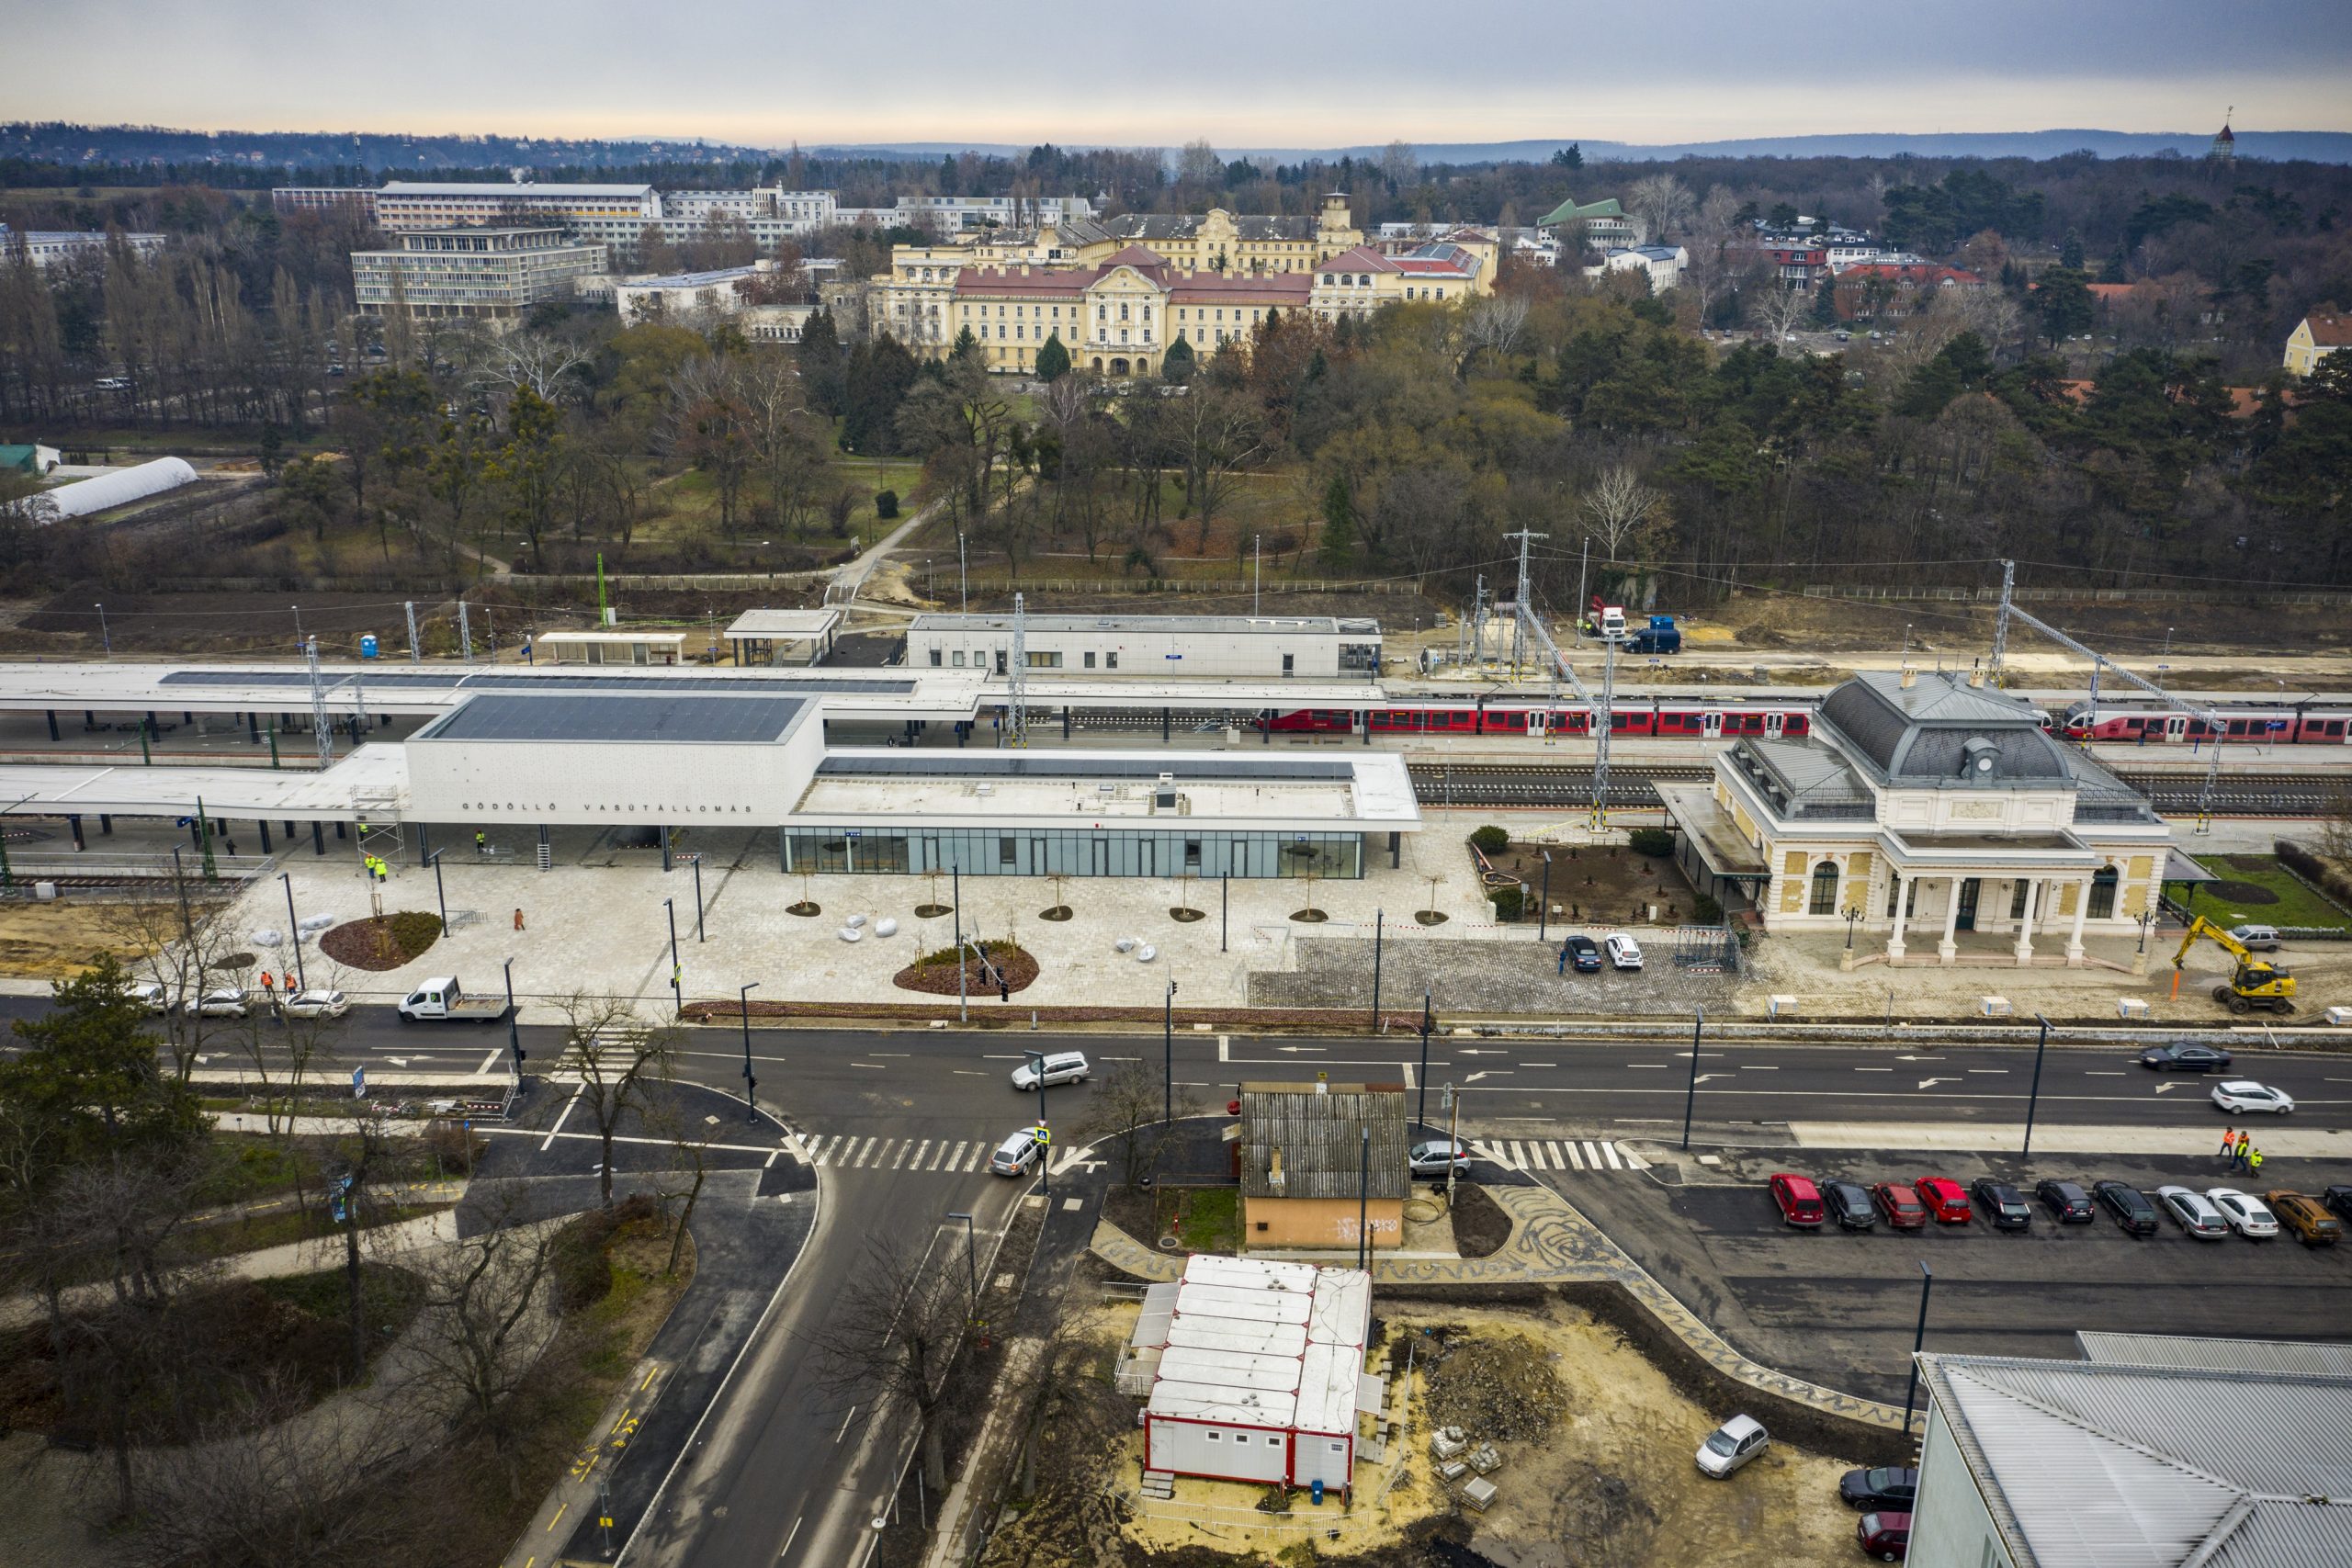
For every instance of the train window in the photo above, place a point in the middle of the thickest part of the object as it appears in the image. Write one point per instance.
(2239, 725)
(2335, 726)
(1618, 721)
(1799, 724)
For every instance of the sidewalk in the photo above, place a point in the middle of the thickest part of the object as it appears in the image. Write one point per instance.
(1552, 1244)
(2281, 1142)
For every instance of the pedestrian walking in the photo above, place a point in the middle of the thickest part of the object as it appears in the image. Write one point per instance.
(2245, 1152)
(2229, 1146)
(1564, 958)
(2254, 1163)
(481, 843)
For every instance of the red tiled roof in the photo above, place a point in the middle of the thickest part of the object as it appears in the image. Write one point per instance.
(1913, 272)
(1039, 280)
(1364, 258)
(1445, 268)
(1289, 288)
(2330, 332)
(1137, 256)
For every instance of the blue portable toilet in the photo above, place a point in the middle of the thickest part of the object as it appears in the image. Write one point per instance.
(1318, 1490)
(367, 644)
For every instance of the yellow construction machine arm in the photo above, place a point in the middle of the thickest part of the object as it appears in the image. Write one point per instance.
(2198, 926)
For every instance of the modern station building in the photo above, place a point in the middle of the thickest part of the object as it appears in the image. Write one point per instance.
(1253, 648)
(1926, 799)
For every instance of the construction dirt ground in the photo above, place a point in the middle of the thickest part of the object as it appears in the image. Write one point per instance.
(1601, 1477)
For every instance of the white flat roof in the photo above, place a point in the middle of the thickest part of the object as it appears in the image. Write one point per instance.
(379, 774)
(1204, 626)
(1259, 1342)
(612, 633)
(1220, 791)
(783, 622)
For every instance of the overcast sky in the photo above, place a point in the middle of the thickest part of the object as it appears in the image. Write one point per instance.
(1266, 73)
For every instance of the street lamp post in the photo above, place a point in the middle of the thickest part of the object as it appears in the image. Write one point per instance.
(514, 1034)
(698, 896)
(677, 986)
(1166, 1058)
(1422, 1116)
(1918, 1339)
(971, 1270)
(439, 892)
(1691, 1099)
(743, 999)
(2033, 1097)
(1364, 1192)
(179, 880)
(105, 636)
(1543, 908)
(294, 931)
(1046, 1160)
(1853, 912)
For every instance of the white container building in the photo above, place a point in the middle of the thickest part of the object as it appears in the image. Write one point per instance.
(1260, 1371)
(1248, 647)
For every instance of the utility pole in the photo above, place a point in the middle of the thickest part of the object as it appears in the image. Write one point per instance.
(466, 624)
(322, 725)
(1257, 563)
(1519, 621)
(414, 655)
(1016, 717)
(2001, 618)
(1584, 561)
(963, 582)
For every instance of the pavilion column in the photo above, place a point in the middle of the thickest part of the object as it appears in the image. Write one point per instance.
(1948, 950)
(2025, 926)
(1894, 939)
(2074, 938)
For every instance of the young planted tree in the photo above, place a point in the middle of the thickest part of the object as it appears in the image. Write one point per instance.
(891, 1338)
(1052, 360)
(621, 1060)
(484, 1320)
(1128, 1109)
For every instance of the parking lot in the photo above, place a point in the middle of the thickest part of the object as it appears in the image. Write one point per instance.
(1841, 1306)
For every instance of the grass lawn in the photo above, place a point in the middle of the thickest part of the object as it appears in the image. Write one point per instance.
(2234, 900)
(1206, 1219)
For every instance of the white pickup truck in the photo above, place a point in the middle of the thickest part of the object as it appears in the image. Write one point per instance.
(441, 999)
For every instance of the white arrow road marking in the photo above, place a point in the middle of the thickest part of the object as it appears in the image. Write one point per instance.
(1919, 1059)
(2167, 1087)
(1495, 1073)
(1930, 1083)
(397, 1061)
(1703, 1077)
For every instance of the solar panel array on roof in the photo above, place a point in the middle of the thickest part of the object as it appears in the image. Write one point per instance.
(518, 716)
(417, 680)
(1005, 765)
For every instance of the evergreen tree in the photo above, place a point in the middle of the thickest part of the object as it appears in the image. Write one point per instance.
(1569, 157)
(1178, 366)
(1338, 542)
(2062, 298)
(85, 1075)
(1052, 360)
(818, 354)
(967, 348)
(2070, 255)
(879, 375)
(1825, 303)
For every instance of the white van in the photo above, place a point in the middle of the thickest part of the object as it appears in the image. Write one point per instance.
(1061, 1068)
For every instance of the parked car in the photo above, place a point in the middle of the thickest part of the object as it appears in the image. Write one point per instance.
(1060, 1067)
(2194, 1212)
(1901, 1206)
(2066, 1201)
(2340, 1200)
(1945, 1199)
(1848, 1204)
(1435, 1157)
(2003, 1204)
(1018, 1153)
(1584, 957)
(2261, 939)
(228, 1001)
(316, 1002)
(2185, 1059)
(1731, 1445)
(2245, 1213)
(150, 995)
(1886, 1487)
(1798, 1200)
(2306, 1216)
(1623, 951)
(1886, 1536)
(2132, 1213)
(2245, 1094)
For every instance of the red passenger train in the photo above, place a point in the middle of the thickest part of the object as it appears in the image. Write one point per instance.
(1491, 715)
(2149, 724)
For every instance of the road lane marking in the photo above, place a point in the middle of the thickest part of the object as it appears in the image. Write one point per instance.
(871, 1066)
(549, 1141)
(956, 1159)
(559, 1508)
(1757, 1067)
(1632, 1160)
(921, 1150)
(490, 1061)
(1576, 1158)
(771, 1159)
(1592, 1156)
(1659, 1065)
(972, 1164)
(1522, 1063)
(1873, 1069)
(790, 1536)
(1991, 1072)
(857, 1160)
(2093, 1073)
(1609, 1150)
(845, 1421)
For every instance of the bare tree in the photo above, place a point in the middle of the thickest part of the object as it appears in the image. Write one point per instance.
(484, 1320)
(619, 1057)
(372, 1160)
(1622, 509)
(892, 1335)
(1129, 1107)
(1496, 322)
(181, 943)
(1199, 165)
(1223, 436)
(537, 360)
(689, 1138)
(1783, 310)
(1662, 204)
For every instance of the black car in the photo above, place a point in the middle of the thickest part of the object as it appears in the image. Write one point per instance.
(2185, 1059)
(2338, 1199)
(2002, 1203)
(1584, 955)
(1883, 1488)
(1850, 1205)
(2133, 1208)
(2067, 1202)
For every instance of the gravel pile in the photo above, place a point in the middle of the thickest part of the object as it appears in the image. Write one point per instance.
(1498, 1388)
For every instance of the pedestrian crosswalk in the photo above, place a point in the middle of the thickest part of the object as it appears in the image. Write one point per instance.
(1557, 1153)
(849, 1151)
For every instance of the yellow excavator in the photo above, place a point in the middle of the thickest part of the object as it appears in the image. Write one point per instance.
(2257, 983)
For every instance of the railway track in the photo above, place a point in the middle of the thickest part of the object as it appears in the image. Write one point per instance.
(1632, 785)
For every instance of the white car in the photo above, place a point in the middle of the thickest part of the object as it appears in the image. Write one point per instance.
(1731, 1445)
(228, 1001)
(316, 1003)
(1018, 1153)
(2245, 1095)
(150, 995)
(1623, 951)
(2247, 1214)
(1061, 1066)
(1435, 1157)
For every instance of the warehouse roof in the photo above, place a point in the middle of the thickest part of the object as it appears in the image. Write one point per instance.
(2102, 1465)
(2247, 1355)
(1306, 1140)
(1258, 1343)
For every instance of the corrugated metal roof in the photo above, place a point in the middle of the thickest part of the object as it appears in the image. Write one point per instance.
(1320, 1138)
(2094, 1465)
(2314, 1357)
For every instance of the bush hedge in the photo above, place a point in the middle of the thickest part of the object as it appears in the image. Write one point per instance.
(1508, 901)
(2325, 875)
(1651, 840)
(886, 504)
(1490, 840)
(1706, 911)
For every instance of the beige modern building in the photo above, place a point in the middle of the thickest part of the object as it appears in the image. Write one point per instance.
(1933, 810)
(494, 276)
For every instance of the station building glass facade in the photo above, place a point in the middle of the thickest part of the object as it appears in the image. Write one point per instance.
(986, 852)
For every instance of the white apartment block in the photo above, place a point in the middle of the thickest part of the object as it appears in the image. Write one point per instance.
(952, 214)
(494, 276)
(403, 206)
(48, 247)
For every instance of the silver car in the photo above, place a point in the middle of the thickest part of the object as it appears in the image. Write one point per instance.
(1018, 1153)
(2194, 1212)
(228, 1001)
(1430, 1158)
(316, 1003)
(1733, 1444)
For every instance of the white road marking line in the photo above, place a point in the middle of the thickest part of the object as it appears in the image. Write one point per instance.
(1757, 1067)
(1575, 1159)
(1410, 1084)
(490, 1061)
(955, 1160)
(845, 1421)
(1873, 1069)
(2091, 1072)
(771, 1159)
(921, 1150)
(1592, 1155)
(790, 1536)
(1991, 1072)
(1660, 1065)
(858, 1161)
(871, 1066)
(1519, 1156)
(549, 1141)
(1608, 1151)
(1632, 1160)
(979, 1151)
(1525, 1064)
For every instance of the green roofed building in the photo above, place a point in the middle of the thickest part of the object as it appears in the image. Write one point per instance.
(1602, 223)
(30, 458)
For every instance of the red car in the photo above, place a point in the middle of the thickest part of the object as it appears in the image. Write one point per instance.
(1901, 1206)
(1799, 1201)
(1886, 1536)
(1945, 1199)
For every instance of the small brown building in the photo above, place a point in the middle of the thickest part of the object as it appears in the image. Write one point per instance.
(1304, 1179)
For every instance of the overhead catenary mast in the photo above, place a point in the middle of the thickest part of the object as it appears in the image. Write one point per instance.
(1528, 626)
(1016, 717)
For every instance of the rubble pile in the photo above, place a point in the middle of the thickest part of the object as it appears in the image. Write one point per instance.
(1494, 1388)
(1070, 1528)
